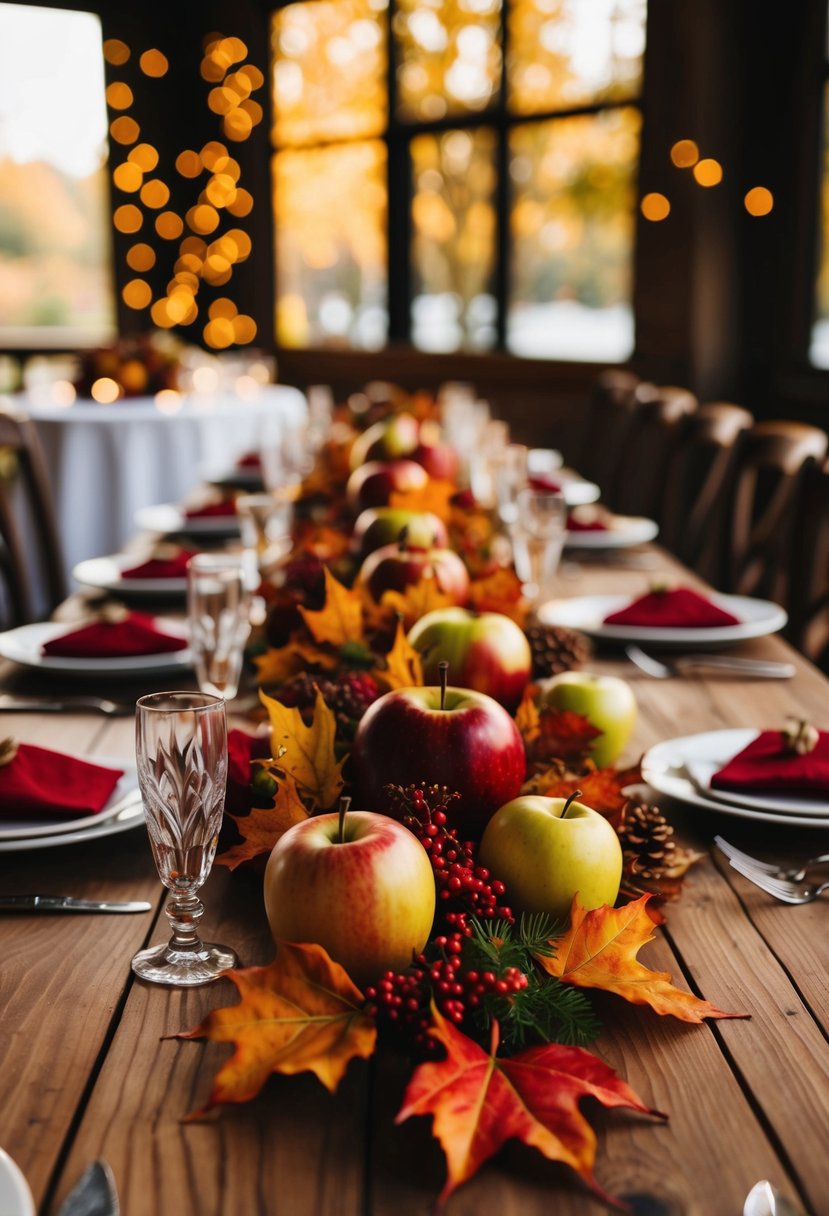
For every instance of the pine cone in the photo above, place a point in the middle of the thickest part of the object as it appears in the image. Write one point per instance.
(555, 649)
(648, 845)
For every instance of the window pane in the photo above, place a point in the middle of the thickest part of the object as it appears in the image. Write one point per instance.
(449, 56)
(819, 348)
(54, 211)
(565, 53)
(453, 253)
(330, 233)
(572, 224)
(329, 70)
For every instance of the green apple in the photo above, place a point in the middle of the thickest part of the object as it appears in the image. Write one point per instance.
(546, 850)
(607, 702)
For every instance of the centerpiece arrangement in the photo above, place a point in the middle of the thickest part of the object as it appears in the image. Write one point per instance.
(496, 866)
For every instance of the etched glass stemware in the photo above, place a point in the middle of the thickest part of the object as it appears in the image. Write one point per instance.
(181, 750)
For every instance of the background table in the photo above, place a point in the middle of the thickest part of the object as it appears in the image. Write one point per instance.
(107, 461)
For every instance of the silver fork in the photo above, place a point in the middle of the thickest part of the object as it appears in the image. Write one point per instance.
(784, 890)
(762, 668)
(72, 704)
(769, 868)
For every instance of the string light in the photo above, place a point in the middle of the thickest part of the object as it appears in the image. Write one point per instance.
(708, 172)
(655, 207)
(684, 153)
(759, 201)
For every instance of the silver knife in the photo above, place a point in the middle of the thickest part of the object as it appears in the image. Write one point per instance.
(66, 903)
(21, 702)
(93, 1195)
(760, 667)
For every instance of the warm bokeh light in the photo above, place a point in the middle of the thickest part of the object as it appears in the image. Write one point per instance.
(242, 205)
(154, 63)
(116, 52)
(220, 190)
(221, 100)
(124, 130)
(137, 294)
(253, 110)
(244, 329)
(219, 333)
(211, 152)
(63, 392)
(141, 257)
(449, 57)
(655, 207)
(237, 125)
(128, 218)
(119, 95)
(169, 226)
(189, 163)
(168, 401)
(127, 177)
(708, 172)
(202, 218)
(684, 154)
(145, 156)
(155, 194)
(194, 245)
(205, 379)
(105, 391)
(759, 201)
(236, 245)
(222, 308)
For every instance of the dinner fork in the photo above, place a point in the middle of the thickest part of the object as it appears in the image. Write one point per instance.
(768, 868)
(101, 705)
(748, 667)
(785, 890)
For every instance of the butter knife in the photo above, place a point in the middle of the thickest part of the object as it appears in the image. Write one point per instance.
(66, 903)
(93, 1195)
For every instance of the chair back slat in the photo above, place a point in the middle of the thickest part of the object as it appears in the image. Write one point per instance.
(657, 425)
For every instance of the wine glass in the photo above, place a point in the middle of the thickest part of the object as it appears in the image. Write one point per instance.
(181, 750)
(538, 534)
(218, 618)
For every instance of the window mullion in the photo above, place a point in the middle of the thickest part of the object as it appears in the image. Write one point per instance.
(398, 224)
(502, 192)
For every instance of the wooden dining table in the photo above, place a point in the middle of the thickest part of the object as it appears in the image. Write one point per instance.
(89, 1070)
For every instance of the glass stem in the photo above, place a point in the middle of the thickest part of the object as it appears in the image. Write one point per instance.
(184, 911)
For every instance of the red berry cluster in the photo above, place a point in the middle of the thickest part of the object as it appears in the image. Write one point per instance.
(463, 888)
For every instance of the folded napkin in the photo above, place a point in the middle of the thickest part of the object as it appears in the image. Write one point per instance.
(586, 523)
(136, 634)
(251, 460)
(41, 784)
(225, 507)
(766, 766)
(680, 608)
(162, 567)
(545, 484)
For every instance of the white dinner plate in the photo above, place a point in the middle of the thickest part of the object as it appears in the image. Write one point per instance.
(122, 801)
(587, 613)
(621, 532)
(23, 645)
(577, 492)
(15, 1197)
(670, 768)
(166, 517)
(105, 573)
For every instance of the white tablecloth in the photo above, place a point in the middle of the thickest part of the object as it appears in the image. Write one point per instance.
(107, 461)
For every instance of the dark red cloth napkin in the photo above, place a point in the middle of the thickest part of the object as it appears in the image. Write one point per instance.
(226, 507)
(594, 524)
(241, 749)
(40, 784)
(161, 567)
(764, 766)
(251, 460)
(135, 635)
(545, 484)
(680, 608)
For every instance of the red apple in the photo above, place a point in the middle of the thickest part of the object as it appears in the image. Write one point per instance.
(386, 440)
(373, 484)
(470, 745)
(438, 459)
(369, 899)
(488, 652)
(380, 526)
(396, 567)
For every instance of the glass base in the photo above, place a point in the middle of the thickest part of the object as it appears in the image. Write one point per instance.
(183, 968)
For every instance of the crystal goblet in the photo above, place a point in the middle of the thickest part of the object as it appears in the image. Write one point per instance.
(181, 750)
(538, 535)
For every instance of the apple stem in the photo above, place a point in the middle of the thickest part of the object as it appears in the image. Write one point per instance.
(443, 669)
(345, 803)
(575, 794)
(403, 539)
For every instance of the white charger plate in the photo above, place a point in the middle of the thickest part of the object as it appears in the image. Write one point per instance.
(670, 767)
(166, 517)
(622, 531)
(23, 645)
(122, 801)
(106, 574)
(15, 1197)
(587, 613)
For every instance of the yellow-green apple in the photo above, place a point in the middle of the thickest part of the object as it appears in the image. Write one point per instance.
(464, 740)
(546, 850)
(388, 439)
(373, 484)
(380, 526)
(368, 898)
(487, 652)
(397, 567)
(607, 702)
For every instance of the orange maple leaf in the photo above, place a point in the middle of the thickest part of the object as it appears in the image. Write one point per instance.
(562, 735)
(479, 1102)
(499, 592)
(527, 718)
(261, 829)
(599, 951)
(435, 496)
(403, 668)
(418, 599)
(301, 1013)
(306, 753)
(340, 620)
(601, 788)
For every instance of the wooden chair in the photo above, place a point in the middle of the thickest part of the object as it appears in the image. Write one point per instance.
(692, 515)
(606, 423)
(766, 506)
(31, 563)
(809, 593)
(656, 426)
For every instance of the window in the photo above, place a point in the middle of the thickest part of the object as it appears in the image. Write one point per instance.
(54, 210)
(460, 174)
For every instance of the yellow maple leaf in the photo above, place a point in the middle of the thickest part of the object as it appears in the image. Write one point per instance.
(499, 592)
(418, 599)
(278, 664)
(301, 1013)
(527, 717)
(340, 620)
(306, 753)
(403, 668)
(261, 829)
(435, 496)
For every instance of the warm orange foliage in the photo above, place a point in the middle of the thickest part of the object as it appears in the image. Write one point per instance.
(418, 599)
(499, 592)
(301, 1013)
(403, 666)
(599, 951)
(306, 753)
(261, 829)
(479, 1102)
(435, 496)
(340, 620)
(601, 788)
